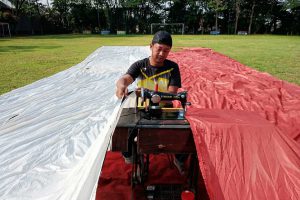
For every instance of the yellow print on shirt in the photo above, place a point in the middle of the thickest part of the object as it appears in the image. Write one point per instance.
(161, 79)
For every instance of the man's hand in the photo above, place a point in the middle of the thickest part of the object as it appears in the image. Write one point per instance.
(173, 89)
(122, 85)
(121, 91)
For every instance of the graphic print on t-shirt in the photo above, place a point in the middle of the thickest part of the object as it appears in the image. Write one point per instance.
(147, 75)
(149, 82)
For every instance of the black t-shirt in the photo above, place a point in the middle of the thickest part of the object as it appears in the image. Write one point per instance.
(166, 75)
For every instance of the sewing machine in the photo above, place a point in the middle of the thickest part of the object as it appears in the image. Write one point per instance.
(161, 130)
(155, 128)
(151, 104)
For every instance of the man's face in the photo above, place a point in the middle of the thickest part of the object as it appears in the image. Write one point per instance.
(159, 53)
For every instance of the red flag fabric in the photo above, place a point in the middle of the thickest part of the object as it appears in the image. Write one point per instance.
(242, 154)
(217, 81)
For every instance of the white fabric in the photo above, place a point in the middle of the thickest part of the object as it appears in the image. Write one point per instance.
(54, 132)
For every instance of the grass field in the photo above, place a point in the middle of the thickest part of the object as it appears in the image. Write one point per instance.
(24, 60)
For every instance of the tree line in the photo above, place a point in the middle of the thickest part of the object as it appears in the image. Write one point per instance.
(136, 16)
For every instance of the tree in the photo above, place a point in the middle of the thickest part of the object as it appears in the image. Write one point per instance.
(251, 16)
(18, 5)
(62, 7)
(135, 16)
(218, 6)
(237, 14)
(291, 4)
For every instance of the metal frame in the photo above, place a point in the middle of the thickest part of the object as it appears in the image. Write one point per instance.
(5, 24)
(167, 24)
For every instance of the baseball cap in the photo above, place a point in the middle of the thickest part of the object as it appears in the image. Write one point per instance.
(162, 37)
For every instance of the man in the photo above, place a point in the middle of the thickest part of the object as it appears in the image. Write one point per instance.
(152, 72)
(152, 69)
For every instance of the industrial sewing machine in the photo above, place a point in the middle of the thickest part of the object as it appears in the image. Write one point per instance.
(152, 127)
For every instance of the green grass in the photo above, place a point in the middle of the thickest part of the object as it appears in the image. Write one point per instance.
(24, 60)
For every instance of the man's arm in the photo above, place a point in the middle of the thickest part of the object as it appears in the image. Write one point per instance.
(175, 79)
(122, 85)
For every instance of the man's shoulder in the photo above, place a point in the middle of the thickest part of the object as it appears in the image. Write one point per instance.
(170, 63)
(141, 62)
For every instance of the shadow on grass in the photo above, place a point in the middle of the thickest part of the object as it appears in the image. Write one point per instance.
(25, 48)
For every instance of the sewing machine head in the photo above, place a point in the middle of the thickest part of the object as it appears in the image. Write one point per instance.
(154, 104)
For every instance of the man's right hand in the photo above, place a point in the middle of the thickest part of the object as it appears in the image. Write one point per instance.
(121, 91)
(122, 85)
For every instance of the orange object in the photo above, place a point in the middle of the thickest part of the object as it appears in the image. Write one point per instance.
(156, 86)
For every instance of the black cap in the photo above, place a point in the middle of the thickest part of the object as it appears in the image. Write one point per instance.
(162, 37)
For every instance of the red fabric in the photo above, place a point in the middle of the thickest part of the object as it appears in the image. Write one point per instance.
(242, 154)
(114, 182)
(216, 81)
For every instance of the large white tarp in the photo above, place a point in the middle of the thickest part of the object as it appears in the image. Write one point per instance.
(54, 132)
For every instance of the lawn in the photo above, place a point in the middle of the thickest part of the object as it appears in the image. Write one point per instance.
(24, 60)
